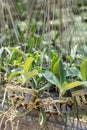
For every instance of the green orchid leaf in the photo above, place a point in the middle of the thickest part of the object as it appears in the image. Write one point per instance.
(64, 84)
(71, 86)
(73, 71)
(83, 70)
(85, 83)
(51, 78)
(56, 68)
(59, 71)
(28, 64)
(30, 75)
(54, 59)
(13, 74)
(62, 73)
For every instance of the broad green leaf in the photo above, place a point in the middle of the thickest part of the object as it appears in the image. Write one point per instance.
(85, 83)
(54, 60)
(58, 70)
(83, 70)
(56, 67)
(51, 78)
(62, 73)
(30, 75)
(28, 64)
(70, 86)
(64, 84)
(13, 75)
(74, 72)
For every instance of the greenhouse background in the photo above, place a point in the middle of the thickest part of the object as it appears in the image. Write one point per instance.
(43, 64)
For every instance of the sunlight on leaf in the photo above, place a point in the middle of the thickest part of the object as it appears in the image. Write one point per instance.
(58, 70)
(13, 75)
(83, 70)
(54, 60)
(28, 64)
(30, 75)
(71, 86)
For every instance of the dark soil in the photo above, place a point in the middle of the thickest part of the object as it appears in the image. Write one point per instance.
(31, 122)
(54, 122)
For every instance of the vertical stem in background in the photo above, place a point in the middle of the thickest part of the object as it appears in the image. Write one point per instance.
(1, 17)
(0, 14)
(82, 10)
(30, 9)
(72, 24)
(45, 25)
(53, 12)
(48, 30)
(11, 17)
(61, 21)
(1, 31)
(66, 25)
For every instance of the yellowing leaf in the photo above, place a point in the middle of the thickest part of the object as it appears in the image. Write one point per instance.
(56, 68)
(14, 74)
(30, 75)
(59, 71)
(28, 64)
(54, 60)
(83, 70)
(70, 86)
